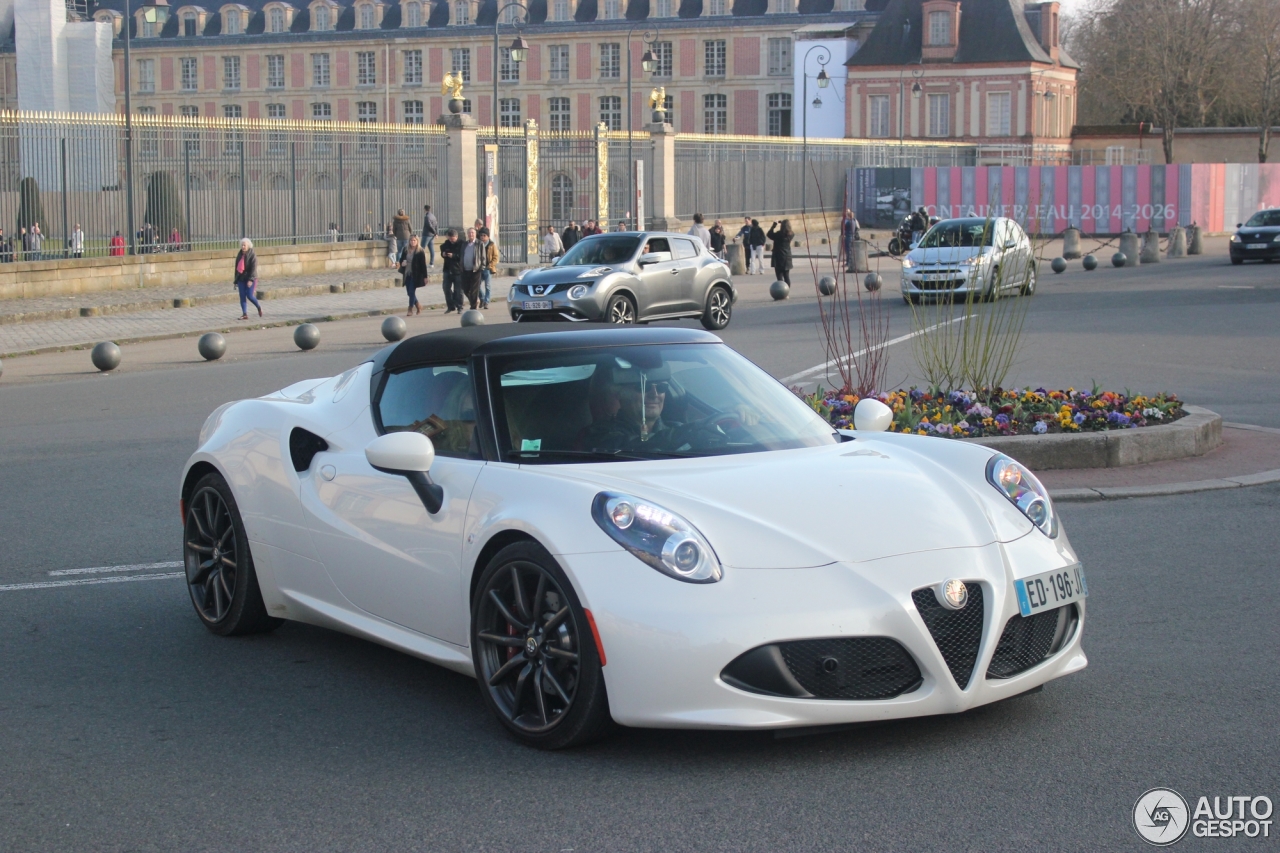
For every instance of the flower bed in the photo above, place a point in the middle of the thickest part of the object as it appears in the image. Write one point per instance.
(962, 414)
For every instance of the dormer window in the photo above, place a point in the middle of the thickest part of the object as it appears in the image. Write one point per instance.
(512, 15)
(782, 7)
(716, 8)
(462, 13)
(189, 25)
(367, 16)
(109, 16)
(612, 10)
(231, 22)
(662, 8)
(275, 20)
(562, 10)
(413, 14)
(939, 29)
(321, 18)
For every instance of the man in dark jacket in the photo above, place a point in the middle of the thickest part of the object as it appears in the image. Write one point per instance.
(402, 230)
(572, 234)
(756, 241)
(451, 280)
(430, 228)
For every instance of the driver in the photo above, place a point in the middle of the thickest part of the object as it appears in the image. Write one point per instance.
(639, 415)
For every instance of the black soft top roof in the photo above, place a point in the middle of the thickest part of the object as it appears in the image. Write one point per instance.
(462, 343)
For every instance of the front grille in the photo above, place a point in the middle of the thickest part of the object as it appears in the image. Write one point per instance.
(828, 668)
(1029, 640)
(956, 633)
(528, 289)
(950, 284)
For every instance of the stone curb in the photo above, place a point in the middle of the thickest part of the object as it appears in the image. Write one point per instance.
(1119, 492)
(1193, 435)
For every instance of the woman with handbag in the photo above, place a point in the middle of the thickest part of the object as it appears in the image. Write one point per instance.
(782, 235)
(413, 266)
(247, 278)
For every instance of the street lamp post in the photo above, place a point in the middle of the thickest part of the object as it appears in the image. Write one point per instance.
(128, 135)
(823, 82)
(648, 62)
(519, 50)
(916, 74)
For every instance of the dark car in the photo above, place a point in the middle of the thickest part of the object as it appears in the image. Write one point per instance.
(1258, 239)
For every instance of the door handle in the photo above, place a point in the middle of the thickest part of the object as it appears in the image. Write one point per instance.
(675, 272)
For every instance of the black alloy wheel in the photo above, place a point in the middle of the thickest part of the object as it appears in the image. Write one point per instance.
(621, 311)
(534, 652)
(220, 575)
(719, 309)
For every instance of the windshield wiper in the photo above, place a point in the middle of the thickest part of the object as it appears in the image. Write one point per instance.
(597, 455)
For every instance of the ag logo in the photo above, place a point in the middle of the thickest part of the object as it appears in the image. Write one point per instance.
(1160, 816)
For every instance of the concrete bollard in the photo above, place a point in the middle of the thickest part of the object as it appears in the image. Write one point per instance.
(1071, 244)
(1129, 248)
(1150, 247)
(737, 255)
(1177, 243)
(858, 262)
(1195, 243)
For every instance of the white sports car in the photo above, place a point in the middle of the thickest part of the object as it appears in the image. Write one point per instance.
(634, 526)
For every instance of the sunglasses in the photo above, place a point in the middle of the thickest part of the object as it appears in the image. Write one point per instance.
(659, 388)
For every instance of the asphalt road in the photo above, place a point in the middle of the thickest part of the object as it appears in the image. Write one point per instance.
(126, 726)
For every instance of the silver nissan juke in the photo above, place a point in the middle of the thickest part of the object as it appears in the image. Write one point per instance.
(628, 277)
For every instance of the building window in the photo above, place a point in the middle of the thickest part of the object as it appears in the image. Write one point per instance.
(320, 20)
(462, 13)
(466, 106)
(231, 111)
(713, 53)
(189, 112)
(231, 23)
(559, 62)
(321, 112)
(878, 121)
(559, 113)
(849, 6)
(998, 113)
(511, 15)
(189, 26)
(611, 112)
(715, 113)
(321, 143)
(779, 57)
(275, 20)
(320, 70)
(560, 10)
(413, 15)
(717, 8)
(612, 10)
(460, 61)
(275, 139)
(190, 138)
(148, 29)
(366, 68)
(610, 61)
(233, 142)
(366, 111)
(940, 28)
(939, 115)
(561, 197)
(779, 114)
(366, 17)
(275, 71)
(275, 111)
(508, 71)
(662, 53)
(148, 139)
(413, 67)
(146, 75)
(231, 73)
(662, 8)
(509, 112)
(189, 73)
(413, 113)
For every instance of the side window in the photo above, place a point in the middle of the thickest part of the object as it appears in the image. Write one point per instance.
(685, 250)
(658, 244)
(438, 402)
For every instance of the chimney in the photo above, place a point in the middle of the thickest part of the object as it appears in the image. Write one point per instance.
(1047, 33)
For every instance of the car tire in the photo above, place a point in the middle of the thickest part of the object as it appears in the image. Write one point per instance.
(719, 310)
(1237, 261)
(620, 311)
(220, 575)
(1029, 289)
(992, 292)
(556, 698)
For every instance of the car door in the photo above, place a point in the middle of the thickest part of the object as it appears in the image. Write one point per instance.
(660, 282)
(688, 263)
(386, 554)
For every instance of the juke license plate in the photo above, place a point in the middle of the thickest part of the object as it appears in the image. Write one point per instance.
(1255, 245)
(1051, 590)
(538, 306)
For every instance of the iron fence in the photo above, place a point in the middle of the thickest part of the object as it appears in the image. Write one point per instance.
(621, 165)
(568, 178)
(504, 161)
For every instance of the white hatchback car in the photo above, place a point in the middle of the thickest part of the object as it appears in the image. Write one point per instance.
(983, 257)
(630, 525)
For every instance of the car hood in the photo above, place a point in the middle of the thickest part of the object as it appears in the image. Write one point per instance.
(1269, 230)
(555, 275)
(950, 255)
(858, 501)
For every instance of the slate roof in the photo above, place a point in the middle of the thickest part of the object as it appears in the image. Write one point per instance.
(990, 31)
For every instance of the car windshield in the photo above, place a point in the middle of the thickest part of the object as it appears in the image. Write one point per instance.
(601, 249)
(959, 233)
(1264, 219)
(644, 402)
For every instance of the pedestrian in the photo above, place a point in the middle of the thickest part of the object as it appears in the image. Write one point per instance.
(472, 263)
(37, 242)
(590, 228)
(6, 249)
(333, 232)
(572, 234)
(116, 246)
(782, 235)
(700, 231)
(480, 227)
(24, 243)
(430, 227)
(490, 268)
(413, 266)
(175, 239)
(247, 278)
(393, 247)
(755, 242)
(367, 233)
(148, 238)
(849, 233)
(552, 245)
(717, 239)
(451, 279)
(744, 232)
(77, 242)
(401, 229)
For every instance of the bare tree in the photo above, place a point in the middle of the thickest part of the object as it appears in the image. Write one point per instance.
(1256, 70)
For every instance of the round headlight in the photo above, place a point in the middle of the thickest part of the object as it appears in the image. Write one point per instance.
(578, 291)
(1024, 491)
(657, 537)
(621, 513)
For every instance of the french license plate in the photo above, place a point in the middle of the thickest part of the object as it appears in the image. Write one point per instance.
(1051, 590)
(537, 306)
(1255, 245)
(935, 276)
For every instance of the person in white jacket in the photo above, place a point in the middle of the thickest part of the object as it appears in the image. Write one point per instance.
(552, 245)
(700, 231)
(77, 242)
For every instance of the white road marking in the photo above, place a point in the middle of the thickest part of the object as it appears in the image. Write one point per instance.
(833, 362)
(133, 567)
(1235, 287)
(10, 587)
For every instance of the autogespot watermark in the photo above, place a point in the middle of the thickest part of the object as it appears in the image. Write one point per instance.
(1162, 817)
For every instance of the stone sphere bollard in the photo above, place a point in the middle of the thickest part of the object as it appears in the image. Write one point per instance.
(394, 328)
(1071, 243)
(1195, 243)
(1089, 262)
(212, 346)
(1058, 265)
(736, 255)
(1177, 243)
(872, 282)
(779, 290)
(1118, 260)
(858, 258)
(472, 317)
(307, 337)
(105, 356)
(1150, 248)
(826, 285)
(1129, 248)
